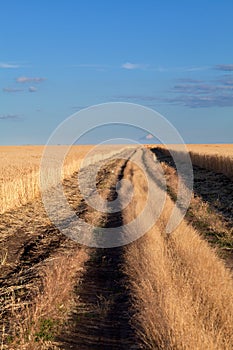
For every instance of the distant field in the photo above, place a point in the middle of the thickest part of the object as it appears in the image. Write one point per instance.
(20, 165)
(16, 161)
(19, 172)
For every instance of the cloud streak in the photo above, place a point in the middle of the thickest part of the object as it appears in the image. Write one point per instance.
(4, 65)
(221, 100)
(193, 69)
(9, 117)
(213, 93)
(200, 88)
(226, 79)
(132, 66)
(193, 94)
(190, 80)
(141, 66)
(224, 67)
(11, 90)
(30, 79)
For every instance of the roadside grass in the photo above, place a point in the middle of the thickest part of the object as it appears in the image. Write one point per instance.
(202, 216)
(34, 325)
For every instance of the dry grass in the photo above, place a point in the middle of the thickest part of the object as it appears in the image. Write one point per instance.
(34, 325)
(219, 149)
(216, 162)
(182, 292)
(213, 157)
(214, 149)
(218, 158)
(209, 222)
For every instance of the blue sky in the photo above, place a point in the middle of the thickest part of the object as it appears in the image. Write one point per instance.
(173, 56)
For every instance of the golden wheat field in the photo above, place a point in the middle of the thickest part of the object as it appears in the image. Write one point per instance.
(165, 291)
(215, 149)
(20, 169)
(19, 173)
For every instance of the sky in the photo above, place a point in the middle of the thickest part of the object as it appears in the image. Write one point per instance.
(58, 57)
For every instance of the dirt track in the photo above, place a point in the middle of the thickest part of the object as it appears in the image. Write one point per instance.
(103, 320)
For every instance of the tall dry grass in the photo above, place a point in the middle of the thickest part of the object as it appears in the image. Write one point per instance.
(217, 148)
(182, 293)
(208, 158)
(218, 163)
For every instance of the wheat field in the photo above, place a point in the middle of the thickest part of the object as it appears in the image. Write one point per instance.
(20, 169)
(160, 292)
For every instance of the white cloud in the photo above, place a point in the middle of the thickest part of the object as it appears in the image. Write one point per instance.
(131, 66)
(190, 69)
(149, 136)
(29, 80)
(32, 89)
(8, 65)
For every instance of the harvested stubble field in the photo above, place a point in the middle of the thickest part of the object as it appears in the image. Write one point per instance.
(160, 292)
